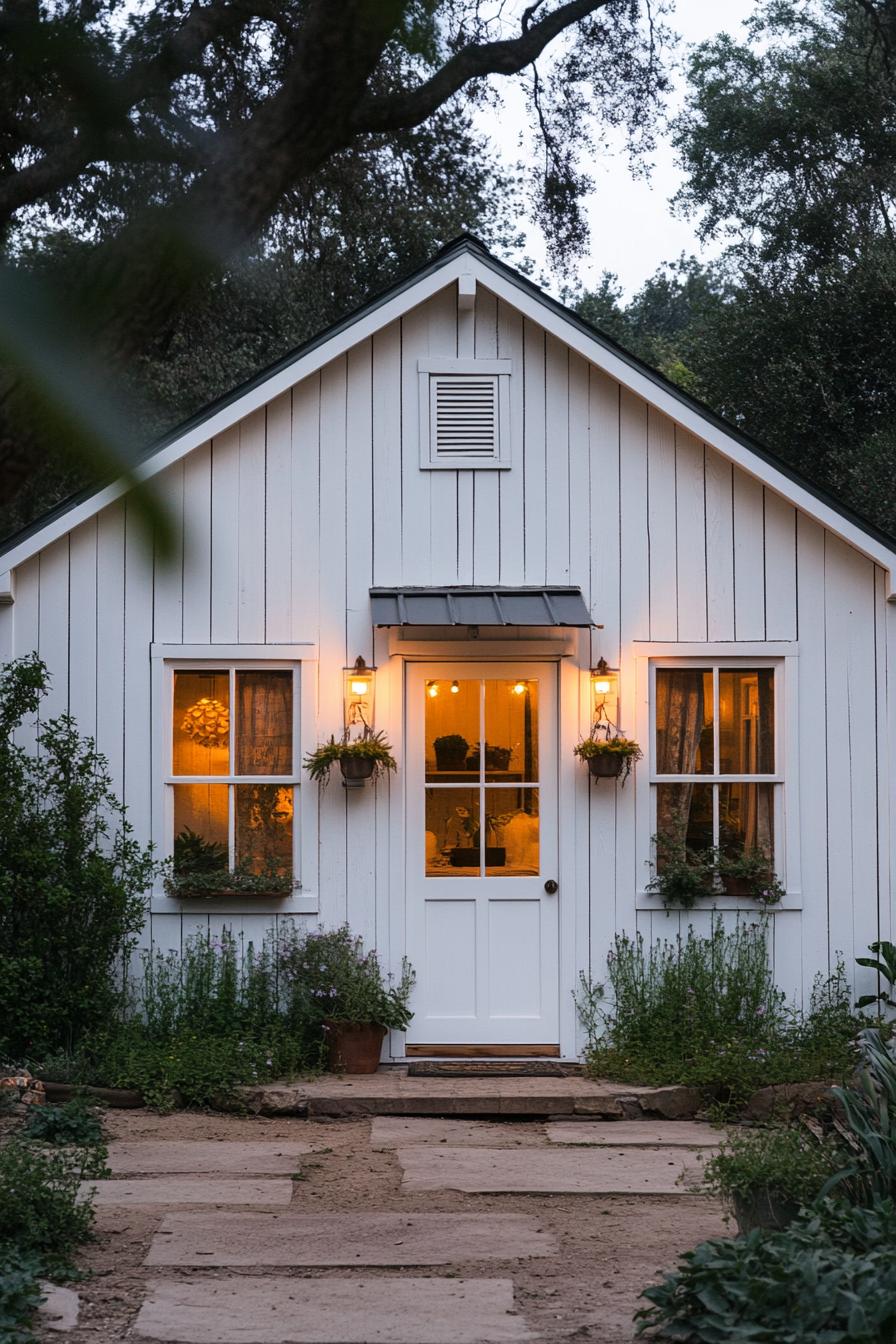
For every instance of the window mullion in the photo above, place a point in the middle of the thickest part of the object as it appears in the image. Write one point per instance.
(715, 719)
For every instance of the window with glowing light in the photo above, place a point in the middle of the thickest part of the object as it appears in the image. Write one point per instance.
(715, 775)
(233, 784)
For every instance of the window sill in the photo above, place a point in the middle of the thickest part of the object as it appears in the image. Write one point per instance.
(648, 900)
(235, 903)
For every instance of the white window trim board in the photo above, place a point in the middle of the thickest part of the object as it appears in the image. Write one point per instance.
(166, 659)
(787, 809)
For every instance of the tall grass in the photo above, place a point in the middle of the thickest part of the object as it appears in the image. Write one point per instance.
(705, 1010)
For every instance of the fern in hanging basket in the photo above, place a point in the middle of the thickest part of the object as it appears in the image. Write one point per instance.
(372, 748)
(609, 756)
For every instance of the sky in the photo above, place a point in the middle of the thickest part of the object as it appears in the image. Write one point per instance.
(633, 229)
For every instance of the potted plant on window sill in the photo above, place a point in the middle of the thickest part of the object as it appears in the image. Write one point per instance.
(199, 869)
(344, 989)
(750, 876)
(468, 855)
(366, 757)
(682, 876)
(609, 757)
(496, 758)
(451, 752)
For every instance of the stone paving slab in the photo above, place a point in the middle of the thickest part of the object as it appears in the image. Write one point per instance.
(272, 1240)
(585, 1171)
(196, 1157)
(385, 1310)
(186, 1190)
(641, 1133)
(394, 1131)
(59, 1309)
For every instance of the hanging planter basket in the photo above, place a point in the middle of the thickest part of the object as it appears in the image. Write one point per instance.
(356, 770)
(606, 765)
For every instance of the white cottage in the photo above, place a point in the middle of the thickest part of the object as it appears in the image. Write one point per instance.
(482, 497)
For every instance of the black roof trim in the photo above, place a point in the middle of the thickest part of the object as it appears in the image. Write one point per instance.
(467, 242)
(474, 604)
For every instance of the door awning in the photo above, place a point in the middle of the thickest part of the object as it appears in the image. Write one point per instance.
(479, 606)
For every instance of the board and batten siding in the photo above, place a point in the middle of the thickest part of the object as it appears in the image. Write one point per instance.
(286, 519)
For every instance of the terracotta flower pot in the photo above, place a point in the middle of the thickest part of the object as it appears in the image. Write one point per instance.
(606, 764)
(356, 770)
(354, 1047)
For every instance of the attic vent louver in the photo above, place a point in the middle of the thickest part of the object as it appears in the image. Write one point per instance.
(464, 414)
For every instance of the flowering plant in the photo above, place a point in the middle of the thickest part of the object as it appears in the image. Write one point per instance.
(338, 981)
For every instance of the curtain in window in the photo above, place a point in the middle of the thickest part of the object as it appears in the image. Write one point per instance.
(680, 720)
(264, 723)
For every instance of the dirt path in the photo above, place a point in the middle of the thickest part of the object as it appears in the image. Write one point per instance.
(609, 1247)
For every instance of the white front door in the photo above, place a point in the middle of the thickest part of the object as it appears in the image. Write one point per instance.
(482, 918)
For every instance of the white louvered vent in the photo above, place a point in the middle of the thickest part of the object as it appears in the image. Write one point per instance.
(464, 416)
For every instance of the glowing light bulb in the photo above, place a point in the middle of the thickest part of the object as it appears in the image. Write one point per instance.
(359, 688)
(454, 688)
(601, 688)
(520, 688)
(432, 689)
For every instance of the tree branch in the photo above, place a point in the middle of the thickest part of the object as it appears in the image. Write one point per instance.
(508, 57)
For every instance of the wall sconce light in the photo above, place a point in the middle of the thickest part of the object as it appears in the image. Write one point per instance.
(359, 681)
(604, 692)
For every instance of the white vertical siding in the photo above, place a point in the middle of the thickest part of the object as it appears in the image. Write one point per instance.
(283, 522)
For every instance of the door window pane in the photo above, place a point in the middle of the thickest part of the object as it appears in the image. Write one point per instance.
(746, 819)
(200, 828)
(264, 723)
(511, 729)
(263, 816)
(452, 833)
(684, 721)
(746, 721)
(512, 828)
(201, 728)
(452, 728)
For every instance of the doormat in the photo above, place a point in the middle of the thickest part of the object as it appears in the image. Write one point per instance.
(493, 1068)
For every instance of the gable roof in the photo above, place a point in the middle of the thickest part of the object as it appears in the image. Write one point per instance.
(466, 255)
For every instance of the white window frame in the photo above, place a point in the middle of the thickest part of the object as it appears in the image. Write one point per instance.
(168, 659)
(784, 662)
(498, 369)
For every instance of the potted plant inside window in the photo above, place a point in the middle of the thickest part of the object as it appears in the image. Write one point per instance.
(682, 874)
(496, 758)
(335, 982)
(199, 868)
(451, 751)
(467, 855)
(749, 874)
(361, 758)
(609, 755)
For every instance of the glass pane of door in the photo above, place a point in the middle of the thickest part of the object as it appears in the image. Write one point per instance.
(481, 738)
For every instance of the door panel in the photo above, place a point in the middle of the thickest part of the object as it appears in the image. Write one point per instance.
(481, 782)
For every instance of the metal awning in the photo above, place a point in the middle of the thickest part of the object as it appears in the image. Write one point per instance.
(479, 606)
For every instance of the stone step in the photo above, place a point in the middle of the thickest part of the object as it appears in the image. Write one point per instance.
(586, 1171)
(636, 1133)
(388, 1239)
(178, 1190)
(384, 1310)
(397, 1131)
(198, 1156)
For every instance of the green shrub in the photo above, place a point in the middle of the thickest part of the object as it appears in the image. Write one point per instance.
(20, 1294)
(40, 1213)
(705, 1011)
(217, 1016)
(831, 1277)
(869, 1112)
(72, 878)
(787, 1163)
(331, 976)
(78, 1122)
